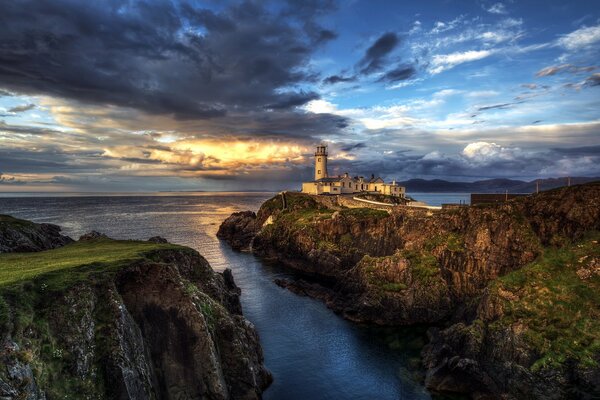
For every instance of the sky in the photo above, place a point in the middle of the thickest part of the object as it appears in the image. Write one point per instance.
(212, 95)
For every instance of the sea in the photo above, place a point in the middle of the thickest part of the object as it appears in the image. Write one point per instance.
(312, 352)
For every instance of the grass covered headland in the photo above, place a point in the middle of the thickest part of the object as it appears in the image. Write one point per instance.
(59, 268)
(110, 319)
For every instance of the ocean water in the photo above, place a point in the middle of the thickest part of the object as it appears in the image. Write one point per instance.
(312, 353)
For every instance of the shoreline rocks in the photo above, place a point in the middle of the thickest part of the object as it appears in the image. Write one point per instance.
(17, 235)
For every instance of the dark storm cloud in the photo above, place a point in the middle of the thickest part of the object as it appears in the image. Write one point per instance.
(333, 79)
(26, 130)
(162, 57)
(48, 160)
(322, 35)
(297, 99)
(373, 59)
(582, 151)
(401, 73)
(23, 108)
(355, 146)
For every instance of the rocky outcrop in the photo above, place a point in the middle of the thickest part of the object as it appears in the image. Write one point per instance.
(412, 266)
(239, 229)
(532, 335)
(415, 266)
(92, 235)
(161, 326)
(17, 235)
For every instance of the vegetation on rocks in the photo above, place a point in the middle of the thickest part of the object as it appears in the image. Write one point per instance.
(515, 301)
(20, 235)
(102, 318)
(81, 258)
(557, 300)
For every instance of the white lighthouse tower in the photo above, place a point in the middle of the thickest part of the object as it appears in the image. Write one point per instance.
(321, 162)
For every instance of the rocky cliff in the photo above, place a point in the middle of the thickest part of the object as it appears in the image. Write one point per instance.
(415, 266)
(20, 235)
(100, 318)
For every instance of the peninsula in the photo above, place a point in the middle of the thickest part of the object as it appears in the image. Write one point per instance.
(510, 291)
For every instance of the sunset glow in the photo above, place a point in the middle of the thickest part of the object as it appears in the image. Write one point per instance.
(186, 103)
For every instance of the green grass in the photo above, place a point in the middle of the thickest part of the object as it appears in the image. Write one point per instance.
(394, 286)
(560, 310)
(80, 258)
(424, 265)
(364, 213)
(7, 220)
(454, 242)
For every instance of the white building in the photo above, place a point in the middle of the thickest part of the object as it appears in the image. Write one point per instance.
(344, 184)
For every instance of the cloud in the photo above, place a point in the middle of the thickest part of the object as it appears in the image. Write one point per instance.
(496, 106)
(319, 36)
(570, 68)
(593, 80)
(497, 8)
(23, 108)
(356, 146)
(440, 26)
(531, 86)
(400, 73)
(484, 152)
(440, 63)
(27, 130)
(373, 59)
(9, 180)
(171, 58)
(333, 79)
(581, 38)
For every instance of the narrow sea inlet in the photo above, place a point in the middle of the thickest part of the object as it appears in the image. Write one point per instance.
(312, 353)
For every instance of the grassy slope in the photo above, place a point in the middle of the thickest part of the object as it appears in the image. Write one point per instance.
(557, 299)
(27, 308)
(78, 258)
(7, 219)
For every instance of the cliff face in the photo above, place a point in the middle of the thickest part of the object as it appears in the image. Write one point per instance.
(154, 323)
(20, 235)
(535, 333)
(416, 266)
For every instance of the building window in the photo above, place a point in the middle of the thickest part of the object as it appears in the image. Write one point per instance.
(375, 188)
(319, 159)
(319, 171)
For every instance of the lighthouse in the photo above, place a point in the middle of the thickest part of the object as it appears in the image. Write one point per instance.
(321, 162)
(345, 184)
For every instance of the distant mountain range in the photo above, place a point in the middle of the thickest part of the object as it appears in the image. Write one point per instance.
(490, 185)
